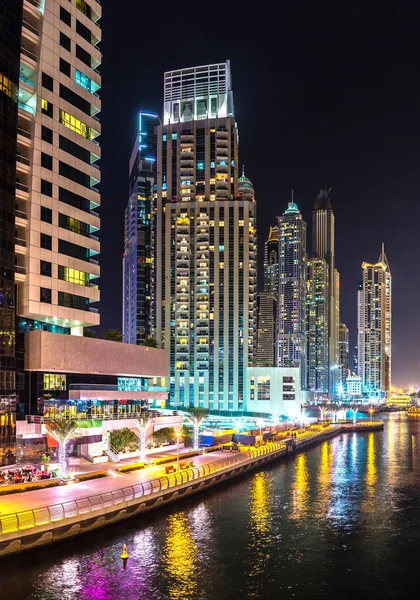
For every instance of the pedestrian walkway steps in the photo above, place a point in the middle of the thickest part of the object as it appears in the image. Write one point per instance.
(112, 454)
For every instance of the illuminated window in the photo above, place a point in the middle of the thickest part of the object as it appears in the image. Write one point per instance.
(174, 136)
(83, 80)
(7, 86)
(75, 124)
(46, 107)
(84, 8)
(52, 381)
(73, 275)
(263, 388)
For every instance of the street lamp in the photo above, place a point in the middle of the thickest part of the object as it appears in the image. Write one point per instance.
(178, 435)
(371, 413)
(260, 423)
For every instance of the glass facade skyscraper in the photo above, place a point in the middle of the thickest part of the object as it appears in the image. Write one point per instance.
(10, 43)
(317, 325)
(205, 242)
(138, 260)
(292, 291)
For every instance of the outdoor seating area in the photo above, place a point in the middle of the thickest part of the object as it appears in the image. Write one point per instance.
(24, 475)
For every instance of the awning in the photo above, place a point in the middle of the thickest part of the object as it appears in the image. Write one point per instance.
(52, 442)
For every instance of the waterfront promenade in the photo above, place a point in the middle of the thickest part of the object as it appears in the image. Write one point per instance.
(34, 518)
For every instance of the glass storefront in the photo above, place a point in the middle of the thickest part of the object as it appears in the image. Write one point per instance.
(90, 409)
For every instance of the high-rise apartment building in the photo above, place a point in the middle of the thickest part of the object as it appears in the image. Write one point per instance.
(138, 238)
(376, 328)
(56, 173)
(205, 242)
(323, 246)
(343, 341)
(271, 262)
(317, 325)
(57, 166)
(10, 44)
(267, 330)
(292, 291)
(358, 357)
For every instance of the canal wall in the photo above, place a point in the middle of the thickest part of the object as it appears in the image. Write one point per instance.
(34, 528)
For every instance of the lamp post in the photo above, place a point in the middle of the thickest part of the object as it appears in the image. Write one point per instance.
(371, 413)
(260, 422)
(178, 435)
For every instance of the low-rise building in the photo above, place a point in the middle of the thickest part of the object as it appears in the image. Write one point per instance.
(273, 390)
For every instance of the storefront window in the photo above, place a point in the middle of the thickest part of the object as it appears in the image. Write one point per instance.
(53, 381)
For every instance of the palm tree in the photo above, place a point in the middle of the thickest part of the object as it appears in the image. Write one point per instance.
(143, 424)
(62, 431)
(196, 416)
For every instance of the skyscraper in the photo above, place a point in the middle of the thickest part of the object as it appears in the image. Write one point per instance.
(271, 262)
(376, 328)
(292, 291)
(267, 308)
(10, 44)
(323, 246)
(57, 167)
(267, 330)
(360, 320)
(317, 325)
(138, 242)
(343, 340)
(56, 173)
(205, 242)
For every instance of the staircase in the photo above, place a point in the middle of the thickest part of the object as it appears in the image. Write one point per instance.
(112, 454)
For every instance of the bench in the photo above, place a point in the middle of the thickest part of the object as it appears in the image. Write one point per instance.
(186, 465)
(169, 469)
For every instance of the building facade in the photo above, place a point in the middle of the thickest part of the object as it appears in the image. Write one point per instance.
(267, 331)
(275, 391)
(57, 168)
(292, 344)
(205, 242)
(138, 279)
(271, 262)
(358, 356)
(343, 344)
(317, 325)
(323, 246)
(10, 45)
(376, 329)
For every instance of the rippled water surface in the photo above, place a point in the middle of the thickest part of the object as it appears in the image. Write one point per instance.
(341, 520)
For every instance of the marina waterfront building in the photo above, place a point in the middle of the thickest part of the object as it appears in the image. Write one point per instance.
(376, 328)
(317, 299)
(204, 243)
(292, 338)
(323, 246)
(138, 257)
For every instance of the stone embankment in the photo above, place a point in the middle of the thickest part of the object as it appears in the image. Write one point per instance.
(28, 529)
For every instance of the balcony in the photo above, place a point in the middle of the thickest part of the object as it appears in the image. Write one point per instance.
(20, 246)
(30, 32)
(20, 274)
(21, 218)
(25, 111)
(22, 191)
(92, 309)
(23, 164)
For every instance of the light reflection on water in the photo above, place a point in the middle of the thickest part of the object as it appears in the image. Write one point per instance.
(339, 520)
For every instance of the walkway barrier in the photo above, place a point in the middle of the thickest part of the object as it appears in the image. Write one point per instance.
(41, 516)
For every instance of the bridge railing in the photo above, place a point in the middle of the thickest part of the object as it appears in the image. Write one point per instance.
(37, 517)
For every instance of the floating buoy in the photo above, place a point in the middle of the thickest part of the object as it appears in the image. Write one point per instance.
(124, 554)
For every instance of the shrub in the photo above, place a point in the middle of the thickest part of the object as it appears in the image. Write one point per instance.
(122, 439)
(133, 467)
(164, 435)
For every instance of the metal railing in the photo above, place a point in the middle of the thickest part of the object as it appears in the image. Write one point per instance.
(37, 517)
(29, 54)
(98, 417)
(26, 108)
(25, 133)
(30, 27)
(22, 186)
(20, 214)
(20, 242)
(23, 159)
(21, 270)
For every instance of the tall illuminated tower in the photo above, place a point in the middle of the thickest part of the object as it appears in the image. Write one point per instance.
(205, 242)
(57, 152)
(344, 356)
(292, 291)
(376, 328)
(323, 246)
(271, 262)
(138, 241)
(317, 325)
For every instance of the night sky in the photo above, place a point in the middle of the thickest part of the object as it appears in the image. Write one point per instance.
(325, 96)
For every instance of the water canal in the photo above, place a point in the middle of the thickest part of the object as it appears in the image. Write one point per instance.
(341, 520)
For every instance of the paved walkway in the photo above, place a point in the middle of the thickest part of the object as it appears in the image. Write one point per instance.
(50, 496)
